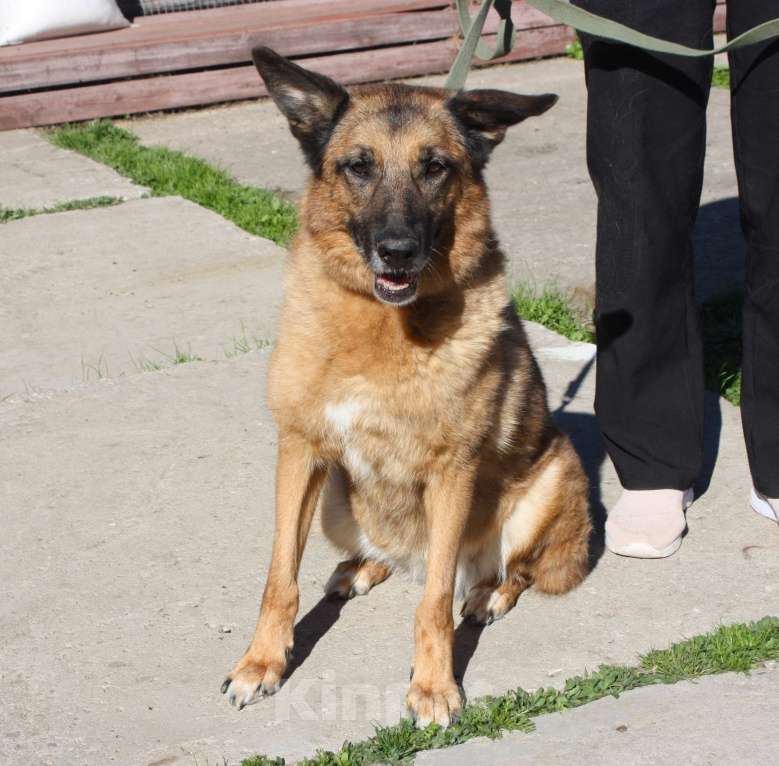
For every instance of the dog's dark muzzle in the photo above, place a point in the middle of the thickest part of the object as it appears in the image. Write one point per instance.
(398, 254)
(397, 266)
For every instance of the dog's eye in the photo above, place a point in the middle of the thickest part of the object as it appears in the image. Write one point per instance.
(359, 168)
(435, 169)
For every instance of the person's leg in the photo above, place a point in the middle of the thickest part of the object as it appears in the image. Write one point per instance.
(646, 134)
(755, 117)
(646, 138)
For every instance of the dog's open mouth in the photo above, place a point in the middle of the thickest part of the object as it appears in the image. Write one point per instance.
(396, 287)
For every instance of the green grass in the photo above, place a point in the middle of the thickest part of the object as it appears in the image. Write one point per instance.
(739, 647)
(168, 172)
(180, 356)
(244, 343)
(574, 50)
(177, 355)
(553, 310)
(15, 214)
(720, 78)
(239, 345)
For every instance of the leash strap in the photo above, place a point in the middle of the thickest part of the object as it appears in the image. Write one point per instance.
(583, 21)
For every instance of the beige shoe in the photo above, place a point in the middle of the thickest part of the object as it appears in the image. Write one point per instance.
(765, 506)
(649, 523)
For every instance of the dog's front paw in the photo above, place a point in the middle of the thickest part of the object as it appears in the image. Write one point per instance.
(436, 704)
(251, 680)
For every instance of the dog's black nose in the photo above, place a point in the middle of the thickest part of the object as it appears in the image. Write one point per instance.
(396, 253)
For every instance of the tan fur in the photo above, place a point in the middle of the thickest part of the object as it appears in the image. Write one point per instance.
(427, 426)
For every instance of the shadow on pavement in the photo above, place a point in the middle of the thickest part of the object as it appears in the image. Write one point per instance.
(712, 427)
(466, 639)
(312, 627)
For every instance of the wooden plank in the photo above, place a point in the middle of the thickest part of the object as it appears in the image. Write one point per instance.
(242, 82)
(217, 20)
(138, 56)
(720, 17)
(206, 50)
(284, 10)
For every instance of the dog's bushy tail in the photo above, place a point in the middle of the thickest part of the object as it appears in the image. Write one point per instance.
(564, 559)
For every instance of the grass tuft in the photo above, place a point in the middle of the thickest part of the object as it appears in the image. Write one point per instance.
(554, 311)
(720, 77)
(738, 647)
(177, 356)
(167, 172)
(245, 343)
(14, 214)
(574, 50)
(729, 648)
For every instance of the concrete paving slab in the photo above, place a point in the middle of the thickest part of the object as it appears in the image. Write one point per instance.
(137, 523)
(725, 719)
(36, 174)
(542, 199)
(103, 292)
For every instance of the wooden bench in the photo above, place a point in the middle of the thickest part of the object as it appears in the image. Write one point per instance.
(202, 57)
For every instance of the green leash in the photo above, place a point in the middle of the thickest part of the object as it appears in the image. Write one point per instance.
(584, 21)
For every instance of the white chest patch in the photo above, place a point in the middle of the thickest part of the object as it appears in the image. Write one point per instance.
(341, 417)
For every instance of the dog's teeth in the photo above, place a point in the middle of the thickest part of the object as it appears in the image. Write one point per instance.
(390, 285)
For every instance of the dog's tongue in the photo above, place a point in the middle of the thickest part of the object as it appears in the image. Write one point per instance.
(393, 281)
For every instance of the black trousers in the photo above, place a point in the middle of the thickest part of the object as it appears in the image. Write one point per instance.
(646, 136)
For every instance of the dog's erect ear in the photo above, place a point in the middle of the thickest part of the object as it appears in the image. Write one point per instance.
(487, 114)
(311, 102)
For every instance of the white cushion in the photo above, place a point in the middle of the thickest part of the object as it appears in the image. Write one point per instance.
(24, 20)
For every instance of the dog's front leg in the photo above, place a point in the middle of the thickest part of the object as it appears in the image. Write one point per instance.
(298, 483)
(434, 695)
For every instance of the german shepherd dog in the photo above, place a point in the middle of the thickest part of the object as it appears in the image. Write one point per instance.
(409, 406)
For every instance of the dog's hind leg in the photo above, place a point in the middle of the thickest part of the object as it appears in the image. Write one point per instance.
(492, 599)
(358, 574)
(543, 540)
(355, 577)
(560, 558)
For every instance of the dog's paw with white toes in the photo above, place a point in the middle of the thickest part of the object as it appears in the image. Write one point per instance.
(441, 706)
(250, 683)
(347, 584)
(483, 605)
(355, 578)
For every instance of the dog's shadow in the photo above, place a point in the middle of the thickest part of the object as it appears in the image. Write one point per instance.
(325, 613)
(311, 628)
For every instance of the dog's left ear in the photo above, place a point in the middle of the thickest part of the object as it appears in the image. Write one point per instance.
(311, 102)
(487, 114)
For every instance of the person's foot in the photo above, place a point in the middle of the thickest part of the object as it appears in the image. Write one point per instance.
(765, 506)
(648, 523)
